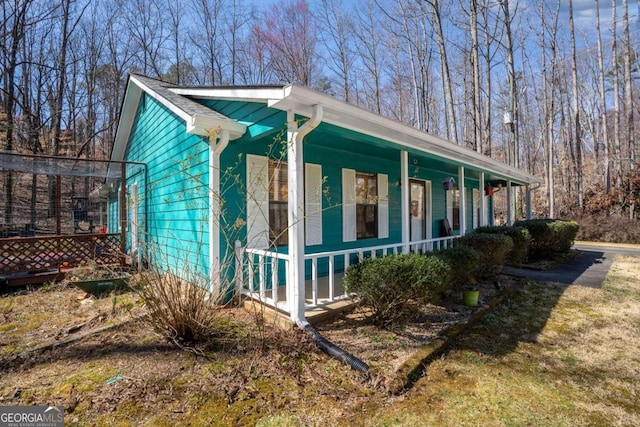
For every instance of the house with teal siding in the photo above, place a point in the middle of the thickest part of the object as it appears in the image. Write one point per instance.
(273, 191)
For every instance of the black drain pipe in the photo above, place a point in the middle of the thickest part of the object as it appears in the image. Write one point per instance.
(334, 351)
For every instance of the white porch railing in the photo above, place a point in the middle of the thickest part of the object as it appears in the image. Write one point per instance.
(261, 274)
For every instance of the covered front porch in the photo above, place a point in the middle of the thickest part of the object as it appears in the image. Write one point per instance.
(264, 275)
(359, 186)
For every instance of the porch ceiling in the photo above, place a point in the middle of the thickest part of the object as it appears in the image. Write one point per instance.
(334, 137)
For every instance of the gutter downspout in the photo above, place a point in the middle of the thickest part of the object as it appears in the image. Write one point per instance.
(295, 164)
(404, 196)
(296, 282)
(215, 150)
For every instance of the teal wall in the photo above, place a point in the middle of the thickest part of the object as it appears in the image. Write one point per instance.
(173, 194)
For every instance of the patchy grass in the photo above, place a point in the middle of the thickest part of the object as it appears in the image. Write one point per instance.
(554, 356)
(551, 355)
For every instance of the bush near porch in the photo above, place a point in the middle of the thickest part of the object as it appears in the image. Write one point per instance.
(463, 262)
(391, 286)
(549, 237)
(520, 237)
(494, 250)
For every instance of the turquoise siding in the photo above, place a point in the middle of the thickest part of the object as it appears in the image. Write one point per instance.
(174, 203)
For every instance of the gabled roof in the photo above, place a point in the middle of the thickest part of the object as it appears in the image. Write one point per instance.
(198, 118)
(301, 100)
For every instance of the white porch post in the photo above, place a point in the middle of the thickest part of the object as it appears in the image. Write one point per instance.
(510, 209)
(404, 195)
(215, 149)
(463, 202)
(482, 220)
(296, 229)
(528, 201)
(295, 165)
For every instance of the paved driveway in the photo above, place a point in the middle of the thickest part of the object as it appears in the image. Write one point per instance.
(589, 268)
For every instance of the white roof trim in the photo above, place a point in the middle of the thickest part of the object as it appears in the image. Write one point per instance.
(197, 123)
(339, 113)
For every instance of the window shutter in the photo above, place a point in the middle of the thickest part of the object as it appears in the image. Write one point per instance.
(257, 202)
(313, 204)
(383, 206)
(348, 205)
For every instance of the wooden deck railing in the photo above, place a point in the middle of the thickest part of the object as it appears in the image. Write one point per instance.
(44, 253)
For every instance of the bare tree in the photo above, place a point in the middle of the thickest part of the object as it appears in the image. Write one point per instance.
(628, 100)
(576, 110)
(371, 54)
(290, 38)
(15, 17)
(603, 103)
(436, 16)
(617, 165)
(475, 70)
(238, 19)
(146, 28)
(337, 32)
(206, 37)
(491, 37)
(513, 146)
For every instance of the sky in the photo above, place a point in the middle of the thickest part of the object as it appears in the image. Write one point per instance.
(584, 12)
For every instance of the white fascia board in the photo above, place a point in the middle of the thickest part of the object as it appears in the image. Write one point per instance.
(233, 94)
(127, 116)
(342, 114)
(196, 124)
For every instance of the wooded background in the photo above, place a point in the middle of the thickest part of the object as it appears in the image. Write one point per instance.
(536, 84)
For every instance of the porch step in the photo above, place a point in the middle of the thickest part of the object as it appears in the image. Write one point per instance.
(282, 319)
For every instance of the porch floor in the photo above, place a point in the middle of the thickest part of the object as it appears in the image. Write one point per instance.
(324, 309)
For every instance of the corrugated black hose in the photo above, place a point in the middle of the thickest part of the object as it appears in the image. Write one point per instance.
(334, 351)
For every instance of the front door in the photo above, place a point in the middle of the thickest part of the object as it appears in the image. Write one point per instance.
(420, 210)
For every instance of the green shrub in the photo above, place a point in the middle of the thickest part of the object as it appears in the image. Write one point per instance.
(386, 285)
(493, 249)
(520, 237)
(549, 237)
(464, 262)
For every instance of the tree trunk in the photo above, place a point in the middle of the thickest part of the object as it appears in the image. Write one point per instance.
(475, 70)
(576, 110)
(603, 103)
(452, 130)
(617, 165)
(16, 33)
(628, 103)
(513, 150)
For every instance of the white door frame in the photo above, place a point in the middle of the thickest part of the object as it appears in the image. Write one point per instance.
(428, 206)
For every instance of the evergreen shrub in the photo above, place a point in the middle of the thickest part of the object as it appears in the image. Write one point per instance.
(390, 284)
(549, 237)
(520, 237)
(493, 249)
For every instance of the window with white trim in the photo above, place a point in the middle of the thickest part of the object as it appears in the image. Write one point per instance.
(365, 205)
(278, 203)
(267, 202)
(453, 208)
